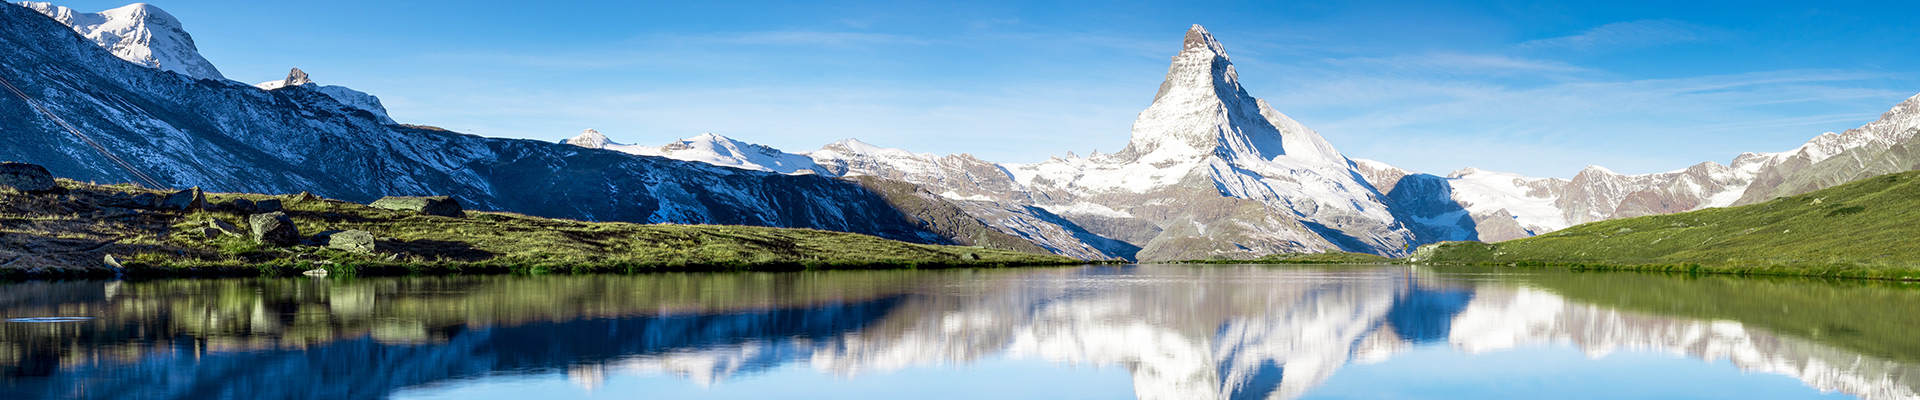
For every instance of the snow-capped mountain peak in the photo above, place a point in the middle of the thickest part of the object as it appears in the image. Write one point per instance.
(1201, 110)
(139, 33)
(707, 148)
(348, 96)
(591, 139)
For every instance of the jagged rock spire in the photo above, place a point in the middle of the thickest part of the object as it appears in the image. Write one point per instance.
(296, 78)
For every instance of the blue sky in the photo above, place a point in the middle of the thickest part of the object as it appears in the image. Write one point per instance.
(1539, 89)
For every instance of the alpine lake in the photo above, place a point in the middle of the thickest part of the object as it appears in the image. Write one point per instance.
(1090, 332)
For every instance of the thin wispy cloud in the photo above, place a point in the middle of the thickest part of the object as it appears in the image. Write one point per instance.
(808, 38)
(1457, 63)
(1676, 122)
(1641, 33)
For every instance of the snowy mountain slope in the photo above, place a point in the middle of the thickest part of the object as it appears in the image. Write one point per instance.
(1271, 185)
(1540, 205)
(1880, 147)
(342, 94)
(227, 136)
(139, 33)
(708, 148)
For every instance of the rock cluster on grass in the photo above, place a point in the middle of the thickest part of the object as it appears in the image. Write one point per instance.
(27, 178)
(274, 228)
(432, 205)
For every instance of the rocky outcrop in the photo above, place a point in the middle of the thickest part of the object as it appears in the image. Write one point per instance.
(431, 205)
(26, 178)
(354, 241)
(942, 217)
(274, 228)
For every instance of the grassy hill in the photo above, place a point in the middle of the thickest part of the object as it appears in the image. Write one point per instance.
(70, 234)
(1865, 229)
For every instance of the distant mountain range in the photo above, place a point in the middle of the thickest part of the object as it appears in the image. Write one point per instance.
(1210, 170)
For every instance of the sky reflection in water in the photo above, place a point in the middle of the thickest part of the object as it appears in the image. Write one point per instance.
(1161, 332)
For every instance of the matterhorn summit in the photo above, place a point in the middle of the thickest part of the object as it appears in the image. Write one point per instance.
(139, 33)
(1201, 110)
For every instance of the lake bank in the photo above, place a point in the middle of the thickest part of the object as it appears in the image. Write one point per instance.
(87, 230)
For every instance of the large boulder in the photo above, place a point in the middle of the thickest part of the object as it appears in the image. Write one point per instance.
(354, 241)
(432, 205)
(26, 178)
(268, 205)
(237, 205)
(185, 200)
(274, 228)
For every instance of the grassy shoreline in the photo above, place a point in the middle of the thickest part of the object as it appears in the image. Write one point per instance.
(68, 234)
(1838, 271)
(1864, 229)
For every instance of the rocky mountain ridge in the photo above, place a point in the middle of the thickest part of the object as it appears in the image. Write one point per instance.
(231, 137)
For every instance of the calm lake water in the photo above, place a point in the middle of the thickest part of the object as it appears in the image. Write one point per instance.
(1103, 332)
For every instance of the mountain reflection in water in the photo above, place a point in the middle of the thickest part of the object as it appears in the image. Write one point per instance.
(1182, 332)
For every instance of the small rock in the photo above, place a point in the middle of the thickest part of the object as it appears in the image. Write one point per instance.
(274, 228)
(304, 197)
(112, 262)
(27, 178)
(433, 205)
(970, 257)
(185, 200)
(315, 272)
(354, 241)
(268, 205)
(225, 228)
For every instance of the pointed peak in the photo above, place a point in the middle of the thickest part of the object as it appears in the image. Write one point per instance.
(296, 77)
(1598, 169)
(591, 139)
(1198, 38)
